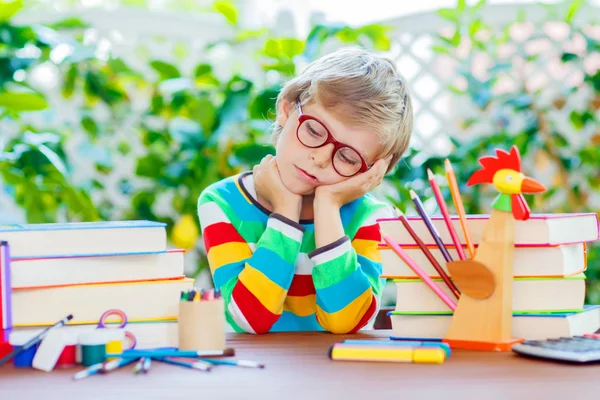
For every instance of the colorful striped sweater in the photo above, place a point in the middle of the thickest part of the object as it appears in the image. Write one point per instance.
(270, 274)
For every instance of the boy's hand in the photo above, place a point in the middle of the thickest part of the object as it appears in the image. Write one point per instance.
(353, 188)
(270, 187)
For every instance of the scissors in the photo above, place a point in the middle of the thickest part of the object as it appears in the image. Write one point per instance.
(103, 324)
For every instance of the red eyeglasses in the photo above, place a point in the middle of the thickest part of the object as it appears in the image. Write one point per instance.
(312, 133)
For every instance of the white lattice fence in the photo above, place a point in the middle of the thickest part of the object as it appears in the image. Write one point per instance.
(437, 110)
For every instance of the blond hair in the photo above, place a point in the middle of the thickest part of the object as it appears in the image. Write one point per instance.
(362, 88)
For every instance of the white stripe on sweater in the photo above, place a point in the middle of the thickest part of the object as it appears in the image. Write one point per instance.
(332, 254)
(210, 213)
(238, 316)
(285, 229)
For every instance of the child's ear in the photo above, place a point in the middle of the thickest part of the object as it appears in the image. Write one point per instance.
(283, 112)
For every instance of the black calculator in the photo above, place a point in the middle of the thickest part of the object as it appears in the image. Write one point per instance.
(576, 349)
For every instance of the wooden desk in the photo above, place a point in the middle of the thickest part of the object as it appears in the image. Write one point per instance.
(297, 367)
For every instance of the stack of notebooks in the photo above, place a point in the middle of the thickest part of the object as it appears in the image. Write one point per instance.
(549, 276)
(85, 269)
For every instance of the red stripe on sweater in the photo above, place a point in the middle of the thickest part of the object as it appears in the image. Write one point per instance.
(259, 318)
(367, 316)
(219, 233)
(369, 232)
(302, 285)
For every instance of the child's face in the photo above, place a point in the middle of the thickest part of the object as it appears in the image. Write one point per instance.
(303, 168)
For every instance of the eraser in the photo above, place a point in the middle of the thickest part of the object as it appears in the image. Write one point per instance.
(50, 349)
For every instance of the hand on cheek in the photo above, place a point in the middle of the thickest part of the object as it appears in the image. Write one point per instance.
(354, 187)
(270, 187)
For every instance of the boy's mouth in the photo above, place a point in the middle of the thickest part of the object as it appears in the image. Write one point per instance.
(306, 176)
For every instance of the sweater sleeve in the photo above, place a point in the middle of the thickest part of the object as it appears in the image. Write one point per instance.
(347, 277)
(253, 282)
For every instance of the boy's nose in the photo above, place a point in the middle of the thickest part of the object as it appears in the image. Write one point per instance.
(322, 155)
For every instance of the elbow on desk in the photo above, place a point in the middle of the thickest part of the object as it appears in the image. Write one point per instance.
(339, 327)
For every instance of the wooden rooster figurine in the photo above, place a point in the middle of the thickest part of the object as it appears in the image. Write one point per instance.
(483, 316)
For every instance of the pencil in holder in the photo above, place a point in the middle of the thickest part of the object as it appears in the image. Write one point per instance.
(202, 325)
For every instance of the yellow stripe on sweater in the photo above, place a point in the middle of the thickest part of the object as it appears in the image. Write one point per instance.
(301, 306)
(347, 318)
(269, 293)
(367, 248)
(228, 253)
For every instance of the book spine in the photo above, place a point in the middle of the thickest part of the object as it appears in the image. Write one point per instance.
(5, 291)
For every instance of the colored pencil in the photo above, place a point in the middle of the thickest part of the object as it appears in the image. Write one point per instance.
(458, 204)
(420, 273)
(444, 209)
(199, 365)
(138, 366)
(103, 367)
(429, 256)
(430, 227)
(235, 363)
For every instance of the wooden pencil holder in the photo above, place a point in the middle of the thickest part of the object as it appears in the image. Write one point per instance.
(202, 325)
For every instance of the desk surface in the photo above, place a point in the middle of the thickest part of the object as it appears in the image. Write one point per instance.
(297, 367)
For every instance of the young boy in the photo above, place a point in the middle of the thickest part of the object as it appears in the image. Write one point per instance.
(292, 245)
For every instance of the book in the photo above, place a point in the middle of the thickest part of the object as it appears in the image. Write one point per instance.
(538, 230)
(529, 295)
(141, 301)
(548, 261)
(84, 238)
(5, 291)
(148, 334)
(68, 270)
(527, 326)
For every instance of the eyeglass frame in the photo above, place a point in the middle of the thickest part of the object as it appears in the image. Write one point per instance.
(330, 139)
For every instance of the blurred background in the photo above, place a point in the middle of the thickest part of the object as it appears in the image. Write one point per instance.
(128, 109)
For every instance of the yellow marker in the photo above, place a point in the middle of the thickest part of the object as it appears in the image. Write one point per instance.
(196, 296)
(347, 352)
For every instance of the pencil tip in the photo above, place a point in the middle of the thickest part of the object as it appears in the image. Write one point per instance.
(447, 165)
(413, 195)
(430, 174)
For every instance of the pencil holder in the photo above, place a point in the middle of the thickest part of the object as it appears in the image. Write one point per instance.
(202, 325)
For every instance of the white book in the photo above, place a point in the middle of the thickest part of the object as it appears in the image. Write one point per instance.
(530, 327)
(56, 271)
(84, 238)
(539, 229)
(141, 301)
(529, 295)
(556, 261)
(148, 335)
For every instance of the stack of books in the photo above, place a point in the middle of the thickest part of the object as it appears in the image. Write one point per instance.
(86, 269)
(549, 276)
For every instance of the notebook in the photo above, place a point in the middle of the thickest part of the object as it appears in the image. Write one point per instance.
(529, 295)
(556, 261)
(539, 229)
(84, 238)
(68, 270)
(149, 300)
(528, 326)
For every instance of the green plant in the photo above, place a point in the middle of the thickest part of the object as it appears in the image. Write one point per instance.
(564, 145)
(32, 159)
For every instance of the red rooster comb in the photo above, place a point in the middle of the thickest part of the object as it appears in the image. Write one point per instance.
(491, 165)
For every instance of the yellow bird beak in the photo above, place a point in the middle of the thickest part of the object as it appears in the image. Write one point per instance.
(531, 186)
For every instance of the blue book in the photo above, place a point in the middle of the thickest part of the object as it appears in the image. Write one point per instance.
(84, 238)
